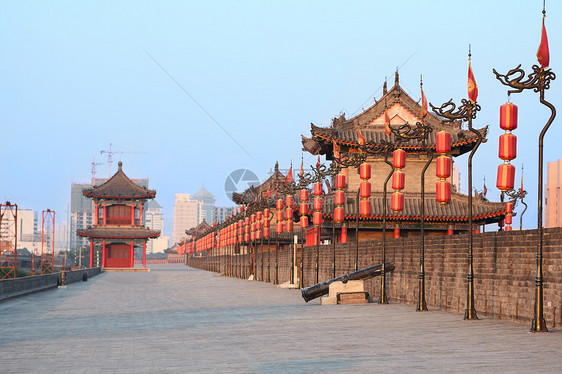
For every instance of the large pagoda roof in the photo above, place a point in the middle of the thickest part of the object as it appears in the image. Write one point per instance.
(119, 186)
(118, 232)
(199, 230)
(252, 193)
(401, 109)
(456, 211)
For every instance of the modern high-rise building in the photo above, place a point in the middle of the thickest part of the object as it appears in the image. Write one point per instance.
(552, 203)
(81, 210)
(154, 220)
(206, 205)
(186, 216)
(222, 213)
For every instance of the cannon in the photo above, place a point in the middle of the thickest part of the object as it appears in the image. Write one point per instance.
(320, 289)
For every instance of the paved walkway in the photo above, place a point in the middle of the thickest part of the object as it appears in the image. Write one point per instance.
(176, 319)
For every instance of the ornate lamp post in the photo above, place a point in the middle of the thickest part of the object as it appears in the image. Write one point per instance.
(538, 81)
(466, 112)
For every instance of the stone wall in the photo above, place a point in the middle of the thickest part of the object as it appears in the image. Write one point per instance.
(21, 286)
(504, 271)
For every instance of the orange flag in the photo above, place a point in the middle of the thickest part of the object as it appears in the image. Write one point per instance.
(424, 100)
(318, 162)
(472, 87)
(360, 138)
(268, 194)
(289, 177)
(301, 174)
(386, 122)
(542, 54)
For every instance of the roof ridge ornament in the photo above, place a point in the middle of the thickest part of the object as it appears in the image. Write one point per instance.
(120, 165)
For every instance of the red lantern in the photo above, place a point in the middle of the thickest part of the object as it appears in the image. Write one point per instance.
(339, 197)
(279, 204)
(506, 177)
(509, 208)
(508, 228)
(280, 215)
(289, 225)
(258, 235)
(339, 214)
(317, 218)
(397, 202)
(365, 171)
(266, 232)
(399, 159)
(266, 213)
(304, 195)
(266, 222)
(253, 218)
(398, 180)
(304, 222)
(289, 214)
(508, 117)
(289, 200)
(365, 189)
(443, 167)
(247, 221)
(508, 147)
(340, 181)
(508, 219)
(279, 227)
(304, 208)
(318, 189)
(253, 235)
(443, 191)
(365, 208)
(258, 216)
(318, 203)
(443, 142)
(396, 233)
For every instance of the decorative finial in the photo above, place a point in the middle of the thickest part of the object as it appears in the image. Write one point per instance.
(396, 77)
(384, 90)
(469, 55)
(421, 80)
(120, 165)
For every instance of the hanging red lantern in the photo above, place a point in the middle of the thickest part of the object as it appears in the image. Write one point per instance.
(279, 204)
(443, 167)
(279, 227)
(509, 207)
(365, 208)
(365, 189)
(508, 147)
(339, 214)
(398, 180)
(506, 177)
(304, 208)
(289, 225)
(266, 232)
(318, 189)
(508, 117)
(280, 215)
(443, 142)
(289, 214)
(339, 197)
(399, 159)
(304, 222)
(318, 203)
(508, 228)
(443, 193)
(508, 219)
(253, 218)
(397, 202)
(396, 233)
(304, 195)
(317, 218)
(365, 171)
(258, 216)
(340, 181)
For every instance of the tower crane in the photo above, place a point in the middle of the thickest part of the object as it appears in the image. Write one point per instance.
(94, 164)
(110, 154)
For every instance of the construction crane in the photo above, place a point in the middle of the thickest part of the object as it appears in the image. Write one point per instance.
(110, 154)
(94, 164)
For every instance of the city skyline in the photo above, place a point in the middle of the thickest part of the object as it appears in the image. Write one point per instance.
(83, 76)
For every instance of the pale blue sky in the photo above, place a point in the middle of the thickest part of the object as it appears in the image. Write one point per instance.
(76, 76)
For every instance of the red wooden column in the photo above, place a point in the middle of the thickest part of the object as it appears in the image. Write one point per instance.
(91, 254)
(97, 214)
(133, 215)
(104, 214)
(144, 255)
(103, 252)
(140, 215)
(132, 256)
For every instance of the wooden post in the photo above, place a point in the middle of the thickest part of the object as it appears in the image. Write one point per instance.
(132, 255)
(103, 253)
(92, 254)
(144, 255)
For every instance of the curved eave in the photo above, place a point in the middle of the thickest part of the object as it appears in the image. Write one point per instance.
(147, 196)
(437, 219)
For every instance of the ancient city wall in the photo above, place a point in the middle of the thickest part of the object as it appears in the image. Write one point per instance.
(504, 271)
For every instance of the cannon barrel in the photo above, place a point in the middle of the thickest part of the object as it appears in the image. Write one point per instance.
(320, 289)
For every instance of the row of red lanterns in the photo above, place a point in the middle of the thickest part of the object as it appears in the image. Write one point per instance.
(443, 167)
(398, 180)
(507, 147)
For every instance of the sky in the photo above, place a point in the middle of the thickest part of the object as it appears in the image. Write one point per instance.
(189, 91)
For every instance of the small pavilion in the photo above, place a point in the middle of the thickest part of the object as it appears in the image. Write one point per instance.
(119, 226)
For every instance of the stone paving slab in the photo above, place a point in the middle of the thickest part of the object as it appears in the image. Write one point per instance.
(175, 319)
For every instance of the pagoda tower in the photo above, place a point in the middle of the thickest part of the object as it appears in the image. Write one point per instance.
(118, 221)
